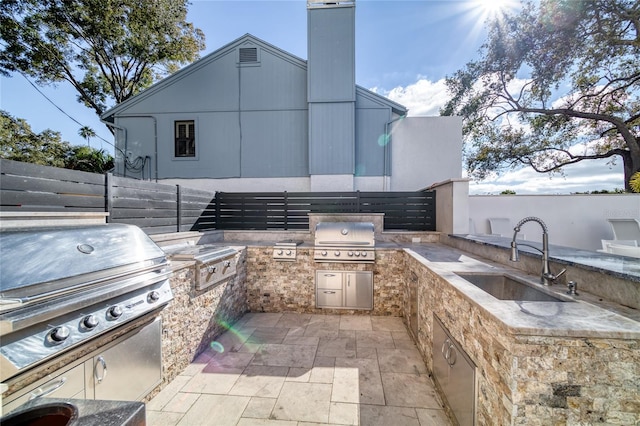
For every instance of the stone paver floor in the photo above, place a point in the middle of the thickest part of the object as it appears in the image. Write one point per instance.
(289, 369)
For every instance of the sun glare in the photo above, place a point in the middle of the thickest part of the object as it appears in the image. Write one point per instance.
(492, 9)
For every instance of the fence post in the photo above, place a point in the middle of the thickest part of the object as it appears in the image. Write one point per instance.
(108, 195)
(218, 225)
(286, 210)
(358, 201)
(179, 208)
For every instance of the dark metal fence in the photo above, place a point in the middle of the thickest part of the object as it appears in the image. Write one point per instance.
(156, 208)
(411, 211)
(160, 208)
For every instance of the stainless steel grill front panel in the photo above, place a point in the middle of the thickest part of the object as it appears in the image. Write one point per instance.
(345, 242)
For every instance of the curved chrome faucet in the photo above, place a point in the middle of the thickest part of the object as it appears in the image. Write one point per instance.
(546, 277)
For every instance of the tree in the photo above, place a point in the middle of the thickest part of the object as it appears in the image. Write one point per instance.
(19, 143)
(108, 50)
(87, 133)
(553, 75)
(88, 159)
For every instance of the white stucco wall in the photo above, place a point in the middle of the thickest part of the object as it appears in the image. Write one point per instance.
(573, 220)
(425, 150)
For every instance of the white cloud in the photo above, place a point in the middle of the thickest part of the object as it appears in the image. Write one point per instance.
(422, 98)
(585, 176)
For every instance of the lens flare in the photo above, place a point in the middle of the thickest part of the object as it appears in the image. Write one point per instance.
(217, 346)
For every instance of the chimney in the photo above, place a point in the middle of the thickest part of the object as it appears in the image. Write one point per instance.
(331, 86)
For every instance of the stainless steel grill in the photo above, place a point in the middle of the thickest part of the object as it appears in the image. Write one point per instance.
(60, 288)
(346, 242)
(214, 264)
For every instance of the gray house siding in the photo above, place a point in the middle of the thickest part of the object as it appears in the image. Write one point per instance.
(332, 129)
(331, 50)
(274, 144)
(250, 118)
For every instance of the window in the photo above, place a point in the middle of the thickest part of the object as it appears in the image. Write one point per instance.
(185, 142)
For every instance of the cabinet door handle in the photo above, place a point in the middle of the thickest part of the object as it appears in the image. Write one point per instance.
(329, 292)
(102, 362)
(453, 356)
(48, 388)
(329, 275)
(446, 346)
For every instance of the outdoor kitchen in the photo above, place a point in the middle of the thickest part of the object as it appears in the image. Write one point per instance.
(160, 305)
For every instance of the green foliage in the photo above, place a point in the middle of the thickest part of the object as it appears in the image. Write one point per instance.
(508, 192)
(634, 182)
(88, 159)
(604, 191)
(555, 74)
(19, 143)
(108, 50)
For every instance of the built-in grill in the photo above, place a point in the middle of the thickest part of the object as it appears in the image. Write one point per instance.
(61, 288)
(214, 264)
(346, 242)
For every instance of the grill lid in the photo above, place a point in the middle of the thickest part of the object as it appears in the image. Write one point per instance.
(49, 260)
(347, 234)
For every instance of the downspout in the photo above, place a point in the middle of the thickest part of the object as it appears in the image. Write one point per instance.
(123, 153)
(387, 135)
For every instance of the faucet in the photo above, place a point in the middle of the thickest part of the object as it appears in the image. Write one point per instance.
(546, 277)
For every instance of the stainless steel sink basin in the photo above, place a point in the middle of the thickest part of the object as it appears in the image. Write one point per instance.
(505, 287)
(52, 414)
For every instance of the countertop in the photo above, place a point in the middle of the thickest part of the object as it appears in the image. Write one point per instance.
(586, 316)
(95, 413)
(621, 266)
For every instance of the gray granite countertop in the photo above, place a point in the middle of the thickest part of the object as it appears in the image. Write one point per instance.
(94, 413)
(621, 266)
(582, 317)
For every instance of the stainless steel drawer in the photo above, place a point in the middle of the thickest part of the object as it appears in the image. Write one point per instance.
(329, 280)
(328, 298)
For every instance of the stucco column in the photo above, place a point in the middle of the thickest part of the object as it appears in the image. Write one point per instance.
(452, 206)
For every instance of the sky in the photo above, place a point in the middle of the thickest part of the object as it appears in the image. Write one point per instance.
(404, 50)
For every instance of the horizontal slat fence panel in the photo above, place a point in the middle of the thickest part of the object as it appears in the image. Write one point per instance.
(412, 211)
(158, 211)
(32, 187)
(159, 208)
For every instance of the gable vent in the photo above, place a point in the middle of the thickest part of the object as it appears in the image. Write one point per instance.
(248, 54)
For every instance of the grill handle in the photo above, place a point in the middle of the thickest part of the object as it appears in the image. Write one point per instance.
(103, 363)
(47, 389)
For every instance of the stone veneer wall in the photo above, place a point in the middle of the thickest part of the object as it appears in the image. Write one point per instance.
(290, 286)
(196, 317)
(533, 380)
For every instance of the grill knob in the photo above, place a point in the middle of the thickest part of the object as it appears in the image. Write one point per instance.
(363, 254)
(279, 252)
(153, 296)
(324, 253)
(288, 252)
(114, 312)
(350, 254)
(337, 253)
(90, 321)
(59, 334)
(357, 254)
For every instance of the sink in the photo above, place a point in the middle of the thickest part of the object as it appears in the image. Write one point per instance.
(505, 287)
(52, 414)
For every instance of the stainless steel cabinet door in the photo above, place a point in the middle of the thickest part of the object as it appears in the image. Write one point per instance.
(128, 370)
(358, 287)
